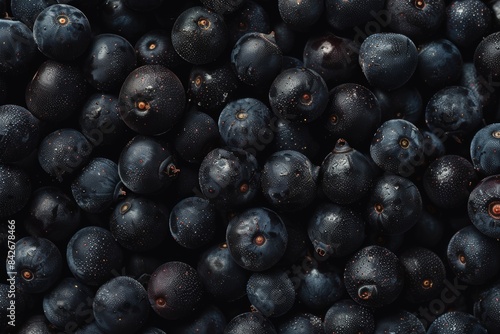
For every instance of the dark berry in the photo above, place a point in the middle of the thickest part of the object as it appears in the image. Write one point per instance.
(484, 206)
(348, 317)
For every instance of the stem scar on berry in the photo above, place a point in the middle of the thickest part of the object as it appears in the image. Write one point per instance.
(495, 134)
(244, 187)
(125, 207)
(420, 4)
(161, 302)
(27, 274)
(306, 99)
(259, 240)
(427, 284)
(62, 20)
(404, 143)
(367, 291)
(152, 46)
(204, 23)
(461, 258)
(494, 209)
(143, 105)
(379, 208)
(333, 119)
(198, 81)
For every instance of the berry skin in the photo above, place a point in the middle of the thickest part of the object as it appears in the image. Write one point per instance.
(483, 150)
(456, 322)
(484, 206)
(347, 316)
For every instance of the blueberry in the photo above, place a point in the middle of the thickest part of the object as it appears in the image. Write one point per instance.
(439, 63)
(223, 6)
(288, 180)
(397, 147)
(121, 305)
(139, 224)
(298, 95)
(37, 264)
(346, 174)
(199, 35)
(52, 214)
(388, 60)
(486, 308)
(484, 206)
(152, 100)
(405, 102)
(93, 255)
(347, 316)
(394, 204)
(155, 48)
(210, 320)
(115, 17)
(19, 52)
(335, 230)
(456, 322)
(250, 322)
(484, 57)
(229, 178)
(175, 290)
(222, 277)
(400, 322)
(484, 145)
(250, 17)
(303, 323)
(374, 277)
(193, 222)
(256, 238)
(467, 21)
(244, 124)
(349, 14)
(302, 14)
(15, 190)
(289, 135)
(62, 32)
(26, 12)
(145, 6)
(474, 257)
(69, 304)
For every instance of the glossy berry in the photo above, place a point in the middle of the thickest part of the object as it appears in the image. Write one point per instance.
(64, 152)
(221, 276)
(486, 308)
(19, 51)
(333, 57)
(146, 165)
(37, 264)
(394, 204)
(335, 230)
(56, 91)
(474, 257)
(52, 214)
(417, 19)
(250, 17)
(250, 322)
(244, 124)
(397, 147)
(484, 206)
(456, 322)
(388, 60)
(300, 14)
(483, 148)
(346, 174)
(93, 255)
(152, 100)
(399, 322)
(374, 276)
(298, 95)
(121, 305)
(467, 21)
(20, 132)
(271, 292)
(454, 110)
(155, 48)
(15, 189)
(209, 319)
(27, 12)
(256, 59)
(485, 54)
(223, 6)
(139, 224)
(439, 63)
(404, 102)
(199, 35)
(288, 180)
(424, 274)
(301, 324)
(62, 32)
(229, 178)
(289, 135)
(256, 238)
(349, 14)
(193, 222)
(347, 316)
(69, 304)
(108, 61)
(175, 290)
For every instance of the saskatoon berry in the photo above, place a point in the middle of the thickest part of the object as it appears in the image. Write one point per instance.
(139, 224)
(353, 114)
(175, 290)
(397, 147)
(121, 306)
(193, 222)
(62, 32)
(298, 95)
(93, 255)
(19, 132)
(271, 292)
(221, 276)
(52, 214)
(229, 178)
(474, 257)
(346, 175)
(199, 35)
(388, 60)
(288, 180)
(374, 277)
(484, 206)
(483, 148)
(152, 100)
(146, 165)
(256, 59)
(335, 230)
(348, 317)
(394, 204)
(37, 264)
(449, 180)
(256, 238)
